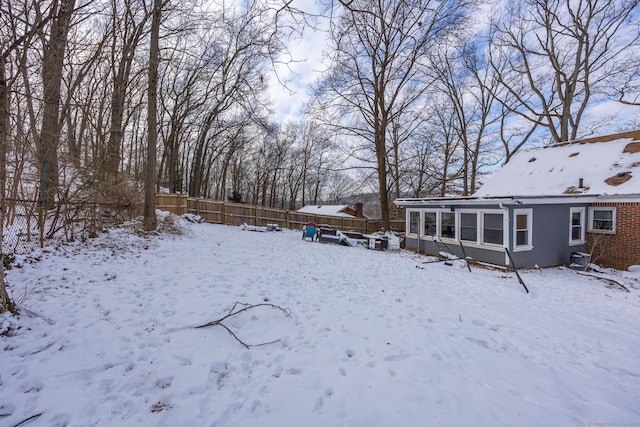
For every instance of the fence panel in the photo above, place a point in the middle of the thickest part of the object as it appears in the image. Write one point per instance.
(174, 203)
(234, 213)
(209, 210)
(21, 233)
(220, 212)
(28, 226)
(297, 220)
(273, 216)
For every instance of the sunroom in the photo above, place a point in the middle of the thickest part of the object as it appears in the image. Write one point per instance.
(537, 231)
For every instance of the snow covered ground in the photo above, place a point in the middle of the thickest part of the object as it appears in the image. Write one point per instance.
(371, 340)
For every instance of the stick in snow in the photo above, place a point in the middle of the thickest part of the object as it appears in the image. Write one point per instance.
(513, 264)
(466, 258)
(26, 420)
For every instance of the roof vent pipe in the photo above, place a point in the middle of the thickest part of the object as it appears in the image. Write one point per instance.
(581, 183)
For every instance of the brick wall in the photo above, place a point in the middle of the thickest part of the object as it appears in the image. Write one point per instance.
(622, 249)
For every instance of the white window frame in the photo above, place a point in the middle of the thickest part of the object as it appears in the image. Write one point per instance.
(480, 227)
(409, 212)
(459, 227)
(583, 226)
(612, 209)
(529, 214)
(422, 212)
(456, 225)
(423, 219)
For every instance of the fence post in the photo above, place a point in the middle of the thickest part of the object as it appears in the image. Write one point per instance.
(41, 210)
(183, 204)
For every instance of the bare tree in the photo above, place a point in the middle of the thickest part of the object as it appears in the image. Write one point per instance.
(449, 165)
(421, 155)
(626, 87)
(340, 185)
(554, 58)
(81, 65)
(52, 62)
(377, 68)
(128, 26)
(463, 77)
(6, 304)
(314, 158)
(246, 39)
(150, 220)
(184, 93)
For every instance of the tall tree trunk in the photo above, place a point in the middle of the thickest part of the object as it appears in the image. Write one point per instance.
(381, 125)
(172, 160)
(52, 62)
(6, 304)
(150, 222)
(112, 152)
(381, 156)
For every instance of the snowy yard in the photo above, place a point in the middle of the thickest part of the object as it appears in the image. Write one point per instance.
(371, 341)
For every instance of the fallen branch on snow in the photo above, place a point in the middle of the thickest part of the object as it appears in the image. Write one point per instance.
(235, 311)
(609, 279)
(26, 420)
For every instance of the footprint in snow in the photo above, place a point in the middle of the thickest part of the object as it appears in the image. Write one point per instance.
(278, 372)
(164, 382)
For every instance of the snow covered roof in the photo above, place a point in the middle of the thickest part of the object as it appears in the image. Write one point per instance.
(596, 166)
(326, 210)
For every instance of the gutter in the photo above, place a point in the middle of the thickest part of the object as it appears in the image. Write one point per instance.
(517, 200)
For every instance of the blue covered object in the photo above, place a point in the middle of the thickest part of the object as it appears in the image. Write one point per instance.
(309, 232)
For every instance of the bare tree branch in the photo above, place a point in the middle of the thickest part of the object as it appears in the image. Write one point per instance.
(234, 311)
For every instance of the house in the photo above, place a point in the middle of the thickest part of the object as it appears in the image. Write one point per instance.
(544, 205)
(343, 211)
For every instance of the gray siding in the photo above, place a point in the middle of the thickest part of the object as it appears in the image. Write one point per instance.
(428, 247)
(550, 239)
(551, 228)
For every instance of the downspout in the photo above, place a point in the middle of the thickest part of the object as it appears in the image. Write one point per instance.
(418, 231)
(507, 228)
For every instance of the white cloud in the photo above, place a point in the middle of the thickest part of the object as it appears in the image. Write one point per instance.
(306, 53)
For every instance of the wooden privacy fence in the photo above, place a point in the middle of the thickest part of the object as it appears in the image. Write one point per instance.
(220, 212)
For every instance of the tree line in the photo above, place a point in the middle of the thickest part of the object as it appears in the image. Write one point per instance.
(111, 100)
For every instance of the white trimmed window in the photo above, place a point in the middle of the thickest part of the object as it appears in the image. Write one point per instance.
(469, 226)
(430, 223)
(484, 227)
(602, 220)
(577, 226)
(448, 225)
(493, 228)
(414, 222)
(522, 229)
